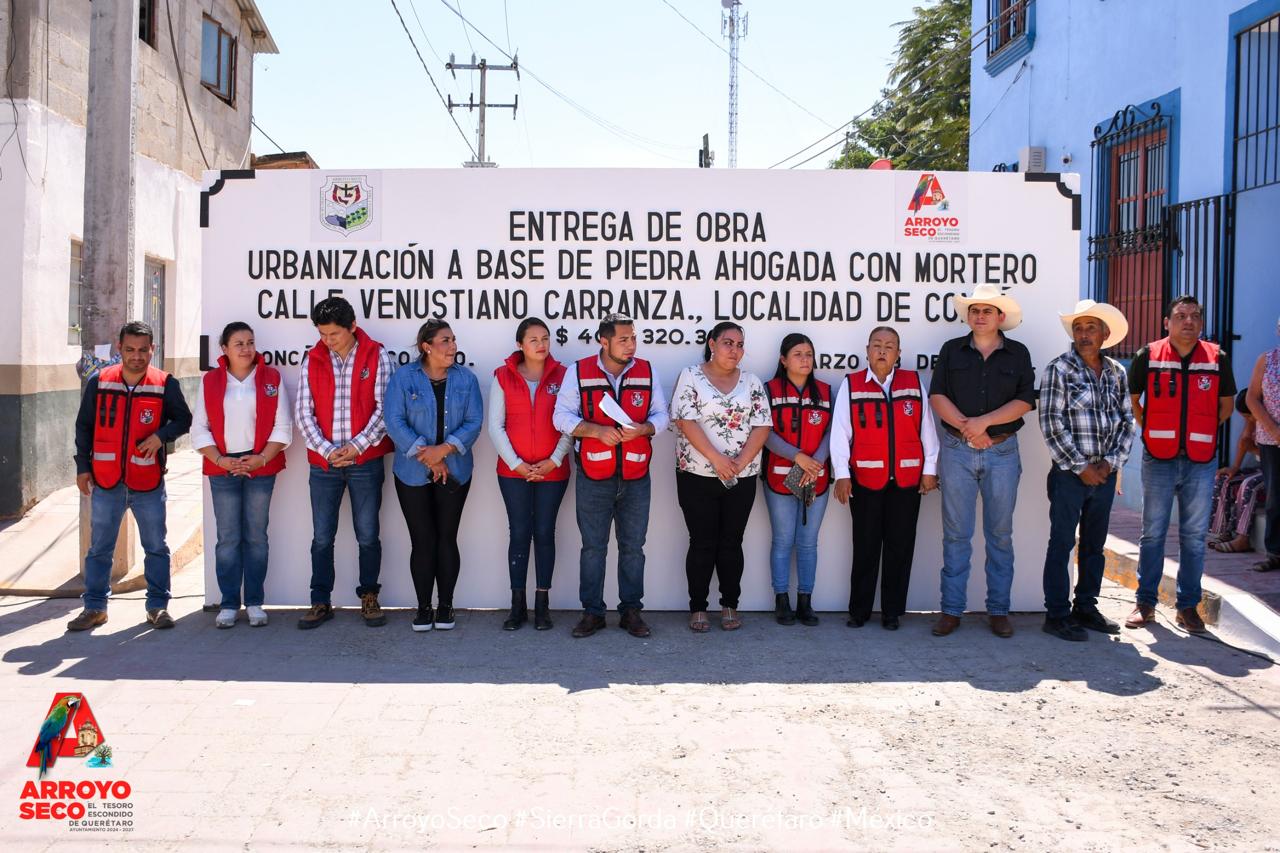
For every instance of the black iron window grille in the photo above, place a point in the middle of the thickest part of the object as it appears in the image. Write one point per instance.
(1256, 157)
(1006, 21)
(1129, 188)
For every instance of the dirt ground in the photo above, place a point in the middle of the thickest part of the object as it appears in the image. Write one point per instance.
(772, 738)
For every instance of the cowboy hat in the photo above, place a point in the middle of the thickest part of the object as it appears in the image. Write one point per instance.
(989, 294)
(1117, 325)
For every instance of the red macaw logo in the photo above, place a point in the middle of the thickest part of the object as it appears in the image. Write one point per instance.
(69, 730)
(928, 191)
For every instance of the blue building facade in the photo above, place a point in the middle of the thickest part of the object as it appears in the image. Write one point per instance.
(1170, 112)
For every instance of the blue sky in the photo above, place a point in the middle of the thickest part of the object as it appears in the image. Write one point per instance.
(347, 87)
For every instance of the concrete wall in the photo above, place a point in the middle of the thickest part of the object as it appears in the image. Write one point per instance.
(39, 387)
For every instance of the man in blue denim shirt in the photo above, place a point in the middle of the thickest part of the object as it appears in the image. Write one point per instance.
(982, 386)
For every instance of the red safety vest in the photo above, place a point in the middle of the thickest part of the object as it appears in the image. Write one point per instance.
(364, 382)
(629, 458)
(1181, 408)
(123, 417)
(800, 420)
(528, 424)
(886, 446)
(267, 383)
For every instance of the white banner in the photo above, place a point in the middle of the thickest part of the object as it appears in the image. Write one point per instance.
(829, 253)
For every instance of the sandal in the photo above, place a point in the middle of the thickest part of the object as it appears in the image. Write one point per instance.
(698, 622)
(1229, 546)
(729, 620)
(1270, 564)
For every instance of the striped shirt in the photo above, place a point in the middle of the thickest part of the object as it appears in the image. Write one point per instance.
(305, 410)
(1086, 418)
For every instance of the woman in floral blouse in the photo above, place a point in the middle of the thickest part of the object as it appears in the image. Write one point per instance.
(721, 417)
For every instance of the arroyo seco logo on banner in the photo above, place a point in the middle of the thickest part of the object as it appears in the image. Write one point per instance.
(930, 207)
(347, 207)
(86, 803)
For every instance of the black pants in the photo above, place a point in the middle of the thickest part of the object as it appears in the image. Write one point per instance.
(1271, 476)
(884, 543)
(433, 514)
(717, 518)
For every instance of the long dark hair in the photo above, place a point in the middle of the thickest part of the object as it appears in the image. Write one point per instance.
(789, 343)
(230, 329)
(714, 335)
(526, 324)
(427, 333)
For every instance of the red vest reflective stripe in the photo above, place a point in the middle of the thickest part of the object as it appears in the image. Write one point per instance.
(800, 420)
(1181, 408)
(267, 384)
(528, 424)
(364, 383)
(630, 458)
(122, 418)
(884, 445)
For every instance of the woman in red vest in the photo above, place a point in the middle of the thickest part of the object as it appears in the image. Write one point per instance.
(533, 471)
(884, 456)
(801, 407)
(241, 426)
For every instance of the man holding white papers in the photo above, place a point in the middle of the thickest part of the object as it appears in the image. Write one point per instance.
(612, 403)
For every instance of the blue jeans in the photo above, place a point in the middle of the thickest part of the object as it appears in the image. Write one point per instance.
(531, 514)
(788, 533)
(365, 484)
(1072, 505)
(107, 508)
(242, 509)
(1192, 484)
(625, 504)
(965, 474)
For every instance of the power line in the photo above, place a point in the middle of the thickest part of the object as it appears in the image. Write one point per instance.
(751, 70)
(461, 132)
(414, 9)
(267, 135)
(884, 98)
(182, 83)
(627, 135)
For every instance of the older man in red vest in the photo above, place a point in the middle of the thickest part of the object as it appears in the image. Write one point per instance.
(128, 412)
(1181, 388)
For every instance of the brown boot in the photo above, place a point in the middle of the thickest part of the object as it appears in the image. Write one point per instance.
(945, 625)
(1001, 626)
(371, 611)
(1189, 620)
(588, 625)
(316, 616)
(87, 619)
(1141, 615)
(633, 624)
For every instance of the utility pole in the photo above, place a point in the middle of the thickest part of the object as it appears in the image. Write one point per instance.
(705, 155)
(106, 295)
(484, 68)
(733, 25)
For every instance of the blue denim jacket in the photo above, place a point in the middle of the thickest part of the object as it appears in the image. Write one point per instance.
(410, 411)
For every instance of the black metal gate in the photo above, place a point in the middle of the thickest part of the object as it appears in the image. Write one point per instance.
(1201, 261)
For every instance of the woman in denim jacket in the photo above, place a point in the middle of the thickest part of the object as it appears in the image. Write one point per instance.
(434, 414)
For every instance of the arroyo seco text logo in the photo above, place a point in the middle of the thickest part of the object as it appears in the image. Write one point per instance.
(930, 212)
(346, 203)
(70, 730)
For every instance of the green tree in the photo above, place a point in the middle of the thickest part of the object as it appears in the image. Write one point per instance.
(922, 118)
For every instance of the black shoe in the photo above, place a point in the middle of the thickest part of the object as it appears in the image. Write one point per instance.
(519, 611)
(804, 609)
(444, 617)
(425, 620)
(588, 625)
(1094, 621)
(542, 610)
(889, 623)
(782, 609)
(1065, 629)
(855, 621)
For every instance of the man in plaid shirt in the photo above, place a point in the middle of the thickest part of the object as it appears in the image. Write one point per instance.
(1087, 421)
(339, 411)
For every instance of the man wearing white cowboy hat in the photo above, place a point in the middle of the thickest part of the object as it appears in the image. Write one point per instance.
(982, 386)
(1182, 389)
(1087, 421)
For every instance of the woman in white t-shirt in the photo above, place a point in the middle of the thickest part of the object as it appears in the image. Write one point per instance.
(721, 417)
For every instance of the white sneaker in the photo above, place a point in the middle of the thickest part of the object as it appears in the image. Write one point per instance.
(257, 616)
(226, 618)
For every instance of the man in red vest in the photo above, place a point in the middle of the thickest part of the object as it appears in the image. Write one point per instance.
(1182, 389)
(339, 412)
(128, 412)
(599, 394)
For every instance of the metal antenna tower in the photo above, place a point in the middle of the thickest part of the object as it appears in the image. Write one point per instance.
(734, 25)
